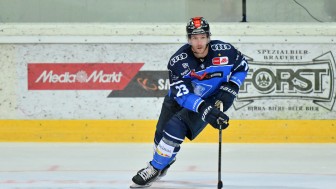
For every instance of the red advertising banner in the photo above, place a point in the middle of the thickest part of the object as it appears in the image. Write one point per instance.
(81, 76)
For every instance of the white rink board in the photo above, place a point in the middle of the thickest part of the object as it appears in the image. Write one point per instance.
(153, 44)
(83, 104)
(20, 103)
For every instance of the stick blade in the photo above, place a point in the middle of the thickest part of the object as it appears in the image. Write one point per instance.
(220, 185)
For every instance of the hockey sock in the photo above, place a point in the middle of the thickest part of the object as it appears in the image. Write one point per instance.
(169, 145)
(163, 155)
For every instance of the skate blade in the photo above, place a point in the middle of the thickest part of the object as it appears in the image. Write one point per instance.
(140, 186)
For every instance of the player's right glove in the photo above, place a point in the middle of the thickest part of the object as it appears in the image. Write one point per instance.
(213, 116)
(227, 93)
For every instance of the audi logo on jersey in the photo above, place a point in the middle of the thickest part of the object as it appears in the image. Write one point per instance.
(220, 47)
(177, 58)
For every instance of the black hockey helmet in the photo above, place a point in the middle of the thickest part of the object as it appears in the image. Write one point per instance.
(198, 25)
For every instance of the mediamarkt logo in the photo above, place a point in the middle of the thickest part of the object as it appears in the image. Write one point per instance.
(312, 80)
(81, 76)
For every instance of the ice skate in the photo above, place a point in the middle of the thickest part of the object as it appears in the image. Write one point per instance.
(145, 177)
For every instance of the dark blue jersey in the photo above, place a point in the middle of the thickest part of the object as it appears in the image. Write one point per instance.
(193, 79)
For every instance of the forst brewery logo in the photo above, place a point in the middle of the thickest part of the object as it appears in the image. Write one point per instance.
(306, 80)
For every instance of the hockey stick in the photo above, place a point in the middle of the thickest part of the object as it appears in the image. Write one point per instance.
(219, 105)
(220, 183)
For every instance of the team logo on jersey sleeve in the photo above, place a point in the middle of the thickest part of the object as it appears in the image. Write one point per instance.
(220, 60)
(177, 58)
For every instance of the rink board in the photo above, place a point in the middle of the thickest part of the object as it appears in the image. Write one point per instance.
(297, 104)
(239, 131)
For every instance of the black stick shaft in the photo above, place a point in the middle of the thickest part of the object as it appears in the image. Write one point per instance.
(220, 183)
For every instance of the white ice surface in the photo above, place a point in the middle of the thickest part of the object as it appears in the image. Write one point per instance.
(111, 166)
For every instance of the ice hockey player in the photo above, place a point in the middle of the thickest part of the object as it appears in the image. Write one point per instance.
(200, 73)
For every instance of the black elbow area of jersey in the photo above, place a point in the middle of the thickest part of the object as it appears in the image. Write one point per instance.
(201, 107)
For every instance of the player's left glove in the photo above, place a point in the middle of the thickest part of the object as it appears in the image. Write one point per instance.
(227, 93)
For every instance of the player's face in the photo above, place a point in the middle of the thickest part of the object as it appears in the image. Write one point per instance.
(199, 44)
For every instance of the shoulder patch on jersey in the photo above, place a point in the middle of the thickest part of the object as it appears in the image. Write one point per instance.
(177, 58)
(220, 60)
(185, 65)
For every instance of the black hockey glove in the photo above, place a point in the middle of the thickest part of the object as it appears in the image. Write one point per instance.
(227, 93)
(213, 116)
